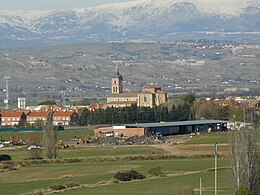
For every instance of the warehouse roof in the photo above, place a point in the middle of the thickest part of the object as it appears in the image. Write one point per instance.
(176, 123)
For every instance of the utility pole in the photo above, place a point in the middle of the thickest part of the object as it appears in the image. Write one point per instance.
(200, 186)
(216, 165)
(6, 101)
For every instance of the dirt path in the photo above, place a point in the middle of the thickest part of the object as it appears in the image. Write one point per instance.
(192, 150)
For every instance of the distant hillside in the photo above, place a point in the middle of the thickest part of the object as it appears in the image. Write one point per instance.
(86, 69)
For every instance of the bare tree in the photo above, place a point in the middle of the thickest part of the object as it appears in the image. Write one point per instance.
(50, 138)
(244, 159)
(36, 140)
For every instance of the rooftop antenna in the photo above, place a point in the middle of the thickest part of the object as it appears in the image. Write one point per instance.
(6, 101)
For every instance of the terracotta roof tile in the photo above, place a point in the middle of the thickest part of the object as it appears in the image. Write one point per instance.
(63, 113)
(38, 114)
(223, 102)
(12, 114)
(95, 106)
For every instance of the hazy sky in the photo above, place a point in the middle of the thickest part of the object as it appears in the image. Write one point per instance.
(51, 4)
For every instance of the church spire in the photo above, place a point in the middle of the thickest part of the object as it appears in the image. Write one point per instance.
(117, 81)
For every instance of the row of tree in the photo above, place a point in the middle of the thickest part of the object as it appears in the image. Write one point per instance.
(184, 110)
(135, 114)
(187, 108)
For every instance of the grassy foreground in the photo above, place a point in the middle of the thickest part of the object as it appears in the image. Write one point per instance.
(180, 174)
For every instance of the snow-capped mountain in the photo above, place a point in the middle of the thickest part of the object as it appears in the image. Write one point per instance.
(140, 20)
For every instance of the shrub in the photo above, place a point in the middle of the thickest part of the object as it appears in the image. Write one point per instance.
(40, 192)
(72, 160)
(9, 165)
(114, 181)
(155, 171)
(128, 176)
(24, 163)
(58, 187)
(35, 153)
(5, 157)
(72, 185)
(244, 191)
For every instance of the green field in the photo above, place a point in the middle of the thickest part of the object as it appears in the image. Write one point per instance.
(91, 151)
(180, 185)
(181, 175)
(28, 179)
(65, 135)
(210, 138)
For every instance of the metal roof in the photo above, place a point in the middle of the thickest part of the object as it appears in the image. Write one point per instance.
(176, 123)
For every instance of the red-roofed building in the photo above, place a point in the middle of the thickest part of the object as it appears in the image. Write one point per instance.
(34, 117)
(65, 118)
(93, 107)
(12, 118)
(225, 102)
(53, 108)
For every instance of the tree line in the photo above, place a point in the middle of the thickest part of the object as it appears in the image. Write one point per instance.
(134, 114)
(186, 108)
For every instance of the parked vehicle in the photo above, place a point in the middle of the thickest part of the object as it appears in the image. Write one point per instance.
(34, 147)
(6, 142)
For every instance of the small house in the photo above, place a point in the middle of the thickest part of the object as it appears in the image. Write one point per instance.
(12, 118)
(65, 118)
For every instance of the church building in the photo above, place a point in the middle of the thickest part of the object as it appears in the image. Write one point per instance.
(150, 96)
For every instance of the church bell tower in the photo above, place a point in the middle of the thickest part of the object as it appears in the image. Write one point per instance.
(117, 82)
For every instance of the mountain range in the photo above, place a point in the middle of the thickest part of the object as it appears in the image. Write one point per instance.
(143, 20)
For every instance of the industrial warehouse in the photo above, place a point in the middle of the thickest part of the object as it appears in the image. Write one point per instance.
(162, 128)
